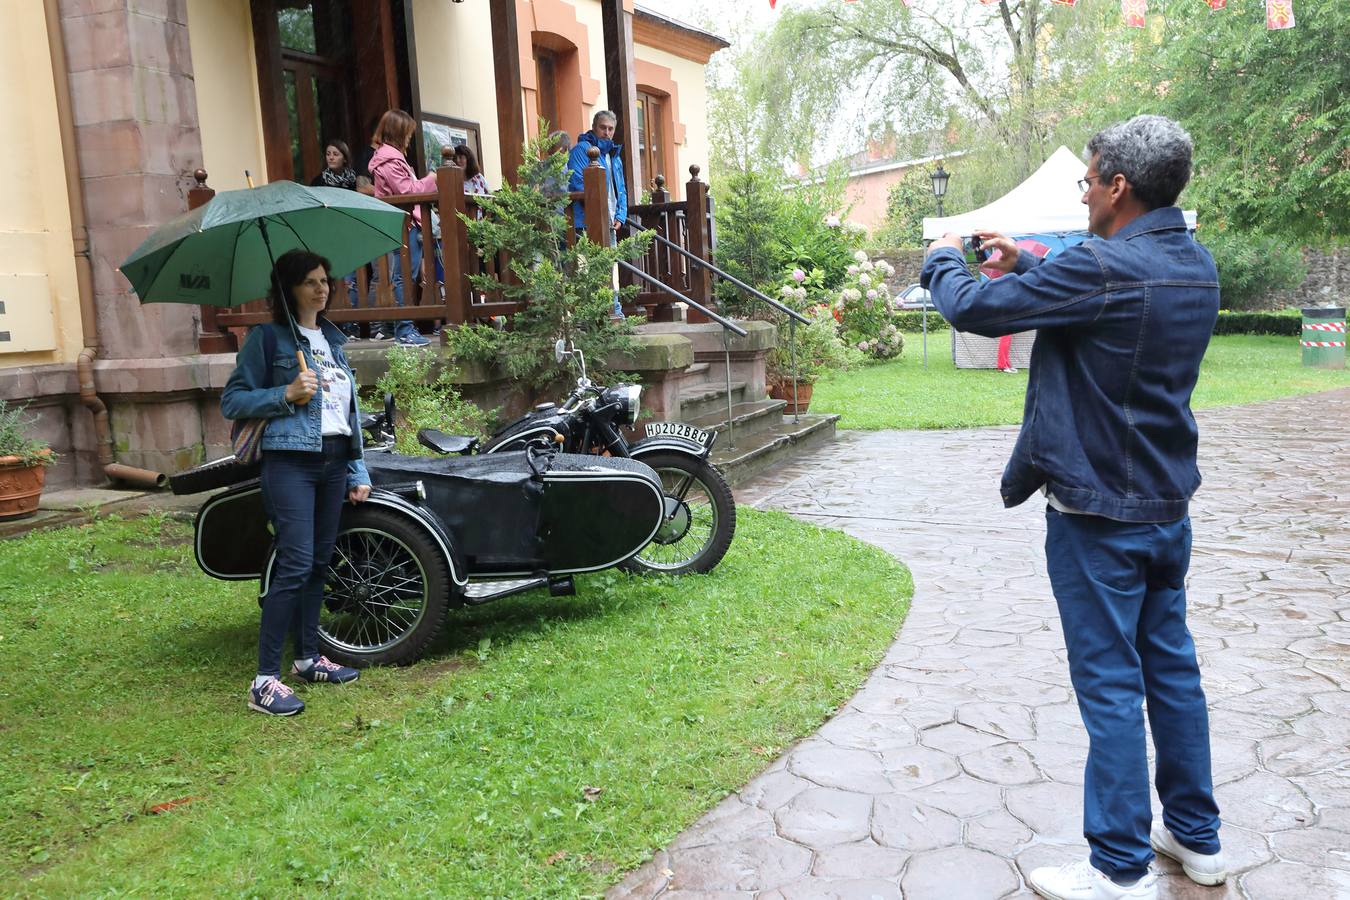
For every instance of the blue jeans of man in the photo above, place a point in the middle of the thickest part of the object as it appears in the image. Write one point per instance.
(1120, 588)
(303, 494)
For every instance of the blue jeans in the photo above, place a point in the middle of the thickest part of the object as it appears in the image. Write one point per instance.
(406, 327)
(1120, 587)
(303, 494)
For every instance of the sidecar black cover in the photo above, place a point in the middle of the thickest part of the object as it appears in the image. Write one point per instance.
(576, 514)
(580, 513)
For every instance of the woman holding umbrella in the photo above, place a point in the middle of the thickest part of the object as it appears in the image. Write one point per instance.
(311, 462)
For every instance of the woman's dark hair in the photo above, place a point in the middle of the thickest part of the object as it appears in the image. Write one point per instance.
(291, 269)
(342, 148)
(470, 161)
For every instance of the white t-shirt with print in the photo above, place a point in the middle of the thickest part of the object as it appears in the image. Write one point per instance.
(334, 381)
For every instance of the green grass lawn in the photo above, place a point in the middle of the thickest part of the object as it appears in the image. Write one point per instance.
(901, 393)
(548, 746)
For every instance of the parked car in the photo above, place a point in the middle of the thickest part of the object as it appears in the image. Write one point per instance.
(915, 297)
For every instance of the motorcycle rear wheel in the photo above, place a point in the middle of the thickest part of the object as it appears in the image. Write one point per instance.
(387, 593)
(700, 517)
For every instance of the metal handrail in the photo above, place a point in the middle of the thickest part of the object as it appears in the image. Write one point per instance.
(793, 316)
(655, 282)
(728, 327)
(792, 313)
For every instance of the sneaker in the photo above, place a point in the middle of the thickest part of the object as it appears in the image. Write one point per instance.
(413, 339)
(1011, 370)
(1080, 881)
(378, 335)
(325, 669)
(1202, 868)
(275, 699)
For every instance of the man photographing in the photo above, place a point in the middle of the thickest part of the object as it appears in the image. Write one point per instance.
(1107, 434)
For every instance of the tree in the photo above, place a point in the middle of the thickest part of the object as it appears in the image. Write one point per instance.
(1269, 111)
(912, 70)
(907, 202)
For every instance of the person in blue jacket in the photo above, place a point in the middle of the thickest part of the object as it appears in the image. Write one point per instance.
(1122, 323)
(601, 136)
(311, 462)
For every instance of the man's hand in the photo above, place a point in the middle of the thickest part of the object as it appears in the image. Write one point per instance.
(359, 493)
(1008, 251)
(616, 224)
(947, 240)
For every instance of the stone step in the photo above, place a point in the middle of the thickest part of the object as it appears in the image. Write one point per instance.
(707, 399)
(755, 453)
(748, 418)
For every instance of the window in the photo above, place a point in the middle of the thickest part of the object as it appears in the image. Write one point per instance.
(651, 136)
(546, 68)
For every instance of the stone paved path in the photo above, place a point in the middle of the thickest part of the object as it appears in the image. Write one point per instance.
(957, 767)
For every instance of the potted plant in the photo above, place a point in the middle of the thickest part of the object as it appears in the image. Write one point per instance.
(819, 349)
(23, 464)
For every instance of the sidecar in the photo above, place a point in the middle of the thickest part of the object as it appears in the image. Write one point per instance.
(440, 532)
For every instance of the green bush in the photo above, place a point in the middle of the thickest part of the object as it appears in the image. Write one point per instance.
(912, 320)
(1284, 322)
(566, 291)
(425, 402)
(819, 348)
(1253, 266)
(14, 441)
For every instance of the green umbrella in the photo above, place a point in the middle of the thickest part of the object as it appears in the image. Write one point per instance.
(223, 253)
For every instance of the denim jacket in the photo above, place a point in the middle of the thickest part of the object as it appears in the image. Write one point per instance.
(290, 426)
(1122, 326)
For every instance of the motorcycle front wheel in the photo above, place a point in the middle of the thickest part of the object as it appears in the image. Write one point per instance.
(700, 517)
(387, 592)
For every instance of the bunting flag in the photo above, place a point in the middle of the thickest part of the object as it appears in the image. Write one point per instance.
(1217, 4)
(1279, 14)
(1064, 2)
(1133, 11)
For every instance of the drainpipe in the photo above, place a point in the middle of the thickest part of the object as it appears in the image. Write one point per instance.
(84, 276)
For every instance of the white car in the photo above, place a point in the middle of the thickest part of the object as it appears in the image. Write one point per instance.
(915, 297)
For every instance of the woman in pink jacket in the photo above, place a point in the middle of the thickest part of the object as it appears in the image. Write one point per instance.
(392, 177)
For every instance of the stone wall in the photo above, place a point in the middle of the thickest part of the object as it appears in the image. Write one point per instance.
(1327, 284)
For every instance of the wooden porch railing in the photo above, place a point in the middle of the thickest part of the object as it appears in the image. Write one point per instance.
(454, 301)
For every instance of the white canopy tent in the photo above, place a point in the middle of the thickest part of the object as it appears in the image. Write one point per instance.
(1048, 202)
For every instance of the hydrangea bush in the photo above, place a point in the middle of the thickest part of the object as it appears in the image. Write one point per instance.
(865, 310)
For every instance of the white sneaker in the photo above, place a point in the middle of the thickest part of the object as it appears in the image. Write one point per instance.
(1202, 868)
(1080, 881)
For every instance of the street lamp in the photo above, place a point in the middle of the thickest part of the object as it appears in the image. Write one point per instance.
(940, 176)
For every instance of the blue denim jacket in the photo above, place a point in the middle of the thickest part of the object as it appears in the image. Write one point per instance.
(290, 426)
(1123, 324)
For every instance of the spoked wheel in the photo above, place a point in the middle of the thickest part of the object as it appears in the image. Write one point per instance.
(387, 592)
(700, 517)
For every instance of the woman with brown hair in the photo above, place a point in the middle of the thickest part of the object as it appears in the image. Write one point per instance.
(393, 177)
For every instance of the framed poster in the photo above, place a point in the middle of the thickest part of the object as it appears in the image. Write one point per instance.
(443, 131)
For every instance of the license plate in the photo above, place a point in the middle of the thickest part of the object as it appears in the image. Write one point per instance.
(677, 429)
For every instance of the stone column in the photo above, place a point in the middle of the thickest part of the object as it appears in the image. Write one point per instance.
(135, 110)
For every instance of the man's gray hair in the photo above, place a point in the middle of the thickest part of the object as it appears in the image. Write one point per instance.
(1152, 152)
(604, 114)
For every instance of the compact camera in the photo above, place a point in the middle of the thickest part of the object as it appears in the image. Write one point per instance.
(974, 254)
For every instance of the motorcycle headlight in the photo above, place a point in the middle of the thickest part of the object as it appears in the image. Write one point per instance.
(629, 398)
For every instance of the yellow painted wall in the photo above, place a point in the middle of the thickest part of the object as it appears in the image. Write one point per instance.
(37, 254)
(693, 99)
(454, 70)
(224, 65)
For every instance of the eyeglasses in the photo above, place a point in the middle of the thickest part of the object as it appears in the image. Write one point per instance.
(1085, 183)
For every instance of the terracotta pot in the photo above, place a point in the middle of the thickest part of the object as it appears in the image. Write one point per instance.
(20, 487)
(782, 390)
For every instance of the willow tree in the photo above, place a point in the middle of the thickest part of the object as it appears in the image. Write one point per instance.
(976, 69)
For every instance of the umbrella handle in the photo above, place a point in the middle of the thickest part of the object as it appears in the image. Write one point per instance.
(300, 358)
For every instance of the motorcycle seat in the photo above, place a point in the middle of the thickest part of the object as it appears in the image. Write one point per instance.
(446, 443)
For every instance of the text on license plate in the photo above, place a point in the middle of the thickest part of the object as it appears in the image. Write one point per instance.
(676, 429)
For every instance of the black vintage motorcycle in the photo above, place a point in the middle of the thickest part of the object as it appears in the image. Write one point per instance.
(438, 533)
(700, 514)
